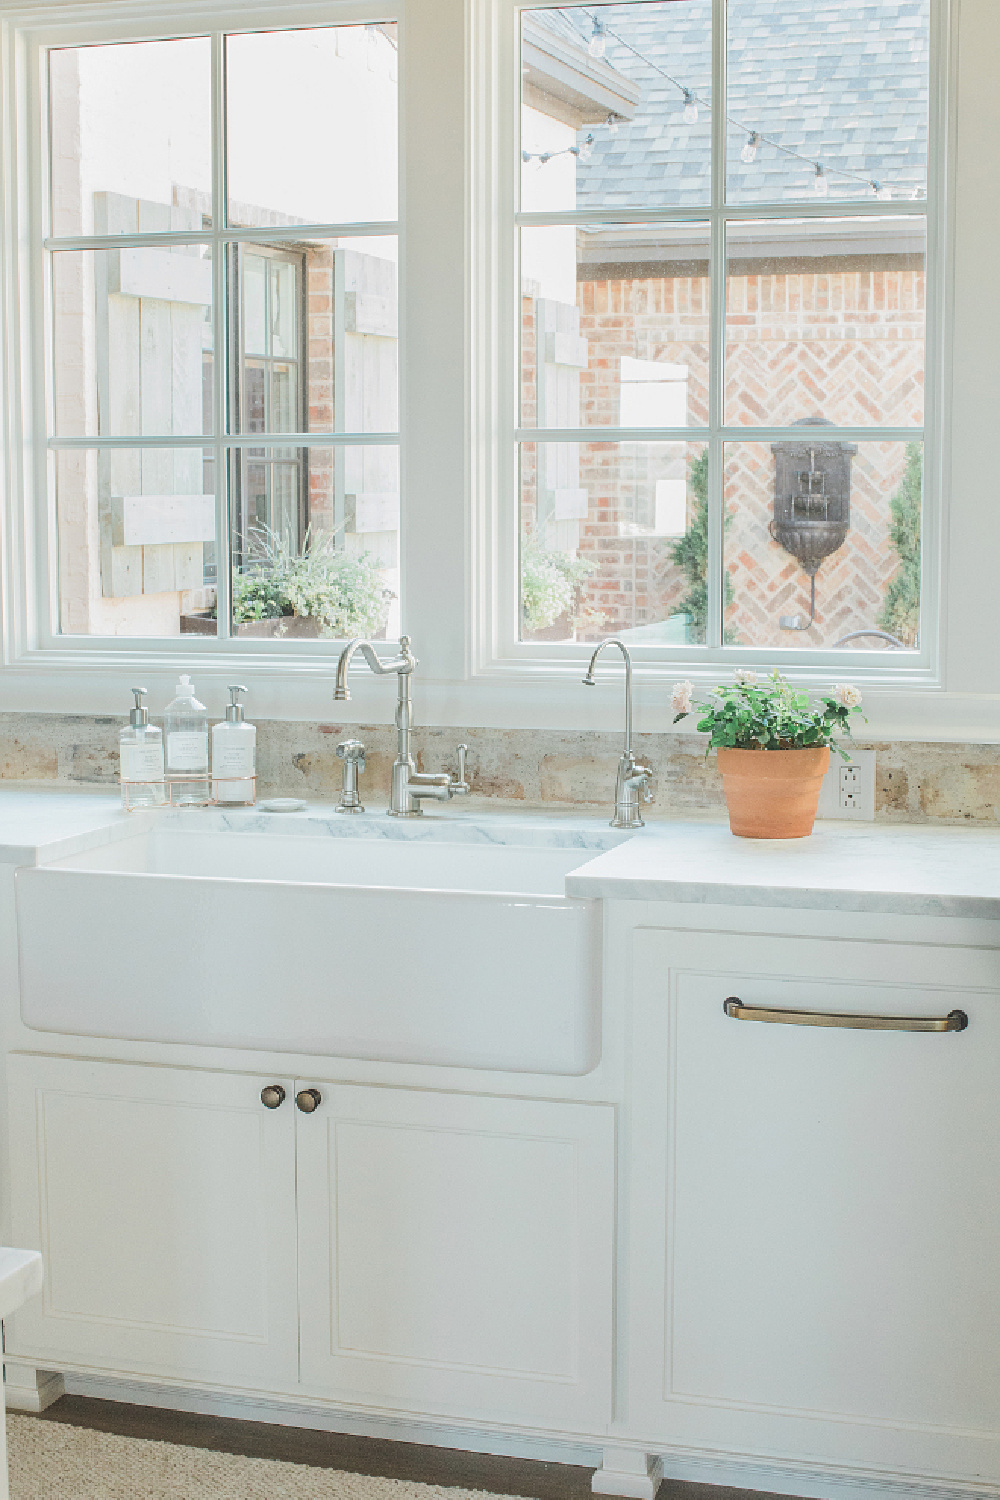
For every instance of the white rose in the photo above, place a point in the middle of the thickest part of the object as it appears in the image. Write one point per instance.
(681, 697)
(847, 695)
(745, 678)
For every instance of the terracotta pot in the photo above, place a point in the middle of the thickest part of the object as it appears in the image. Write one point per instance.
(772, 794)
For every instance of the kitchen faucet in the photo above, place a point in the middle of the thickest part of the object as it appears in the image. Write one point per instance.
(409, 786)
(632, 778)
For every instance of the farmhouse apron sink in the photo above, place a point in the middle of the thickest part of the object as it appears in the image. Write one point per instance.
(401, 950)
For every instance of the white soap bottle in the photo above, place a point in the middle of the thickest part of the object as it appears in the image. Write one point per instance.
(140, 759)
(234, 756)
(186, 727)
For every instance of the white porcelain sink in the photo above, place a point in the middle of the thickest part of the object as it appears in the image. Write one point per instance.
(407, 949)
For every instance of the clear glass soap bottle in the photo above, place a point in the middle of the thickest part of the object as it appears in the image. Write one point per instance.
(140, 759)
(186, 726)
(234, 756)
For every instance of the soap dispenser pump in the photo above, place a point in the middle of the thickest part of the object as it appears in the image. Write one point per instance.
(186, 723)
(234, 756)
(140, 758)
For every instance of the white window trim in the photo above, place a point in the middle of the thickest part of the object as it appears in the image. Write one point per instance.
(457, 124)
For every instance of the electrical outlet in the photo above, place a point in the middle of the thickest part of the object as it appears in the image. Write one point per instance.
(848, 789)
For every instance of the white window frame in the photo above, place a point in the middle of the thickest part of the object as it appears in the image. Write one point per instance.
(33, 645)
(501, 651)
(458, 134)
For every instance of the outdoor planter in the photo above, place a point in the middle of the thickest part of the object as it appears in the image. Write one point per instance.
(773, 794)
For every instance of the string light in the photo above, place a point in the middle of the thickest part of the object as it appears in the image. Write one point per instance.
(611, 124)
(584, 152)
(755, 138)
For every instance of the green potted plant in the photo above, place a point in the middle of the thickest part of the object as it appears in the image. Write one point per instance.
(773, 742)
(324, 592)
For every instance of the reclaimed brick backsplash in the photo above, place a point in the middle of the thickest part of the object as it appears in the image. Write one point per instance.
(916, 782)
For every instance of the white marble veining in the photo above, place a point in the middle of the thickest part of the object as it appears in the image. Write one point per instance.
(905, 870)
(39, 826)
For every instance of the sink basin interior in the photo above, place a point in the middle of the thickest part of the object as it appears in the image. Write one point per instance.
(407, 863)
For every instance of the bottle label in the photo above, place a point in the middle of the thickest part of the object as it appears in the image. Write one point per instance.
(232, 760)
(187, 751)
(141, 762)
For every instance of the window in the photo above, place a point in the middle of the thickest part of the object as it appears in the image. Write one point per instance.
(723, 301)
(221, 264)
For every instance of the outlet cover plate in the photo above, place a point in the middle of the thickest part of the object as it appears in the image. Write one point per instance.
(831, 800)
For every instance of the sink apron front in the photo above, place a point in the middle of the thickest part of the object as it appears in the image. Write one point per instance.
(481, 980)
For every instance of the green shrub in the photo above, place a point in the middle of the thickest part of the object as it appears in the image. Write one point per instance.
(690, 554)
(551, 584)
(901, 609)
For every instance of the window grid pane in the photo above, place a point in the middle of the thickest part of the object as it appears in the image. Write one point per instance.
(310, 322)
(820, 321)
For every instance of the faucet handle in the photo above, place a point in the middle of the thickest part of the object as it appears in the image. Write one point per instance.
(351, 750)
(461, 783)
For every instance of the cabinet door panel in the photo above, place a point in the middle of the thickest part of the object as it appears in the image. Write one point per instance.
(455, 1253)
(163, 1202)
(822, 1197)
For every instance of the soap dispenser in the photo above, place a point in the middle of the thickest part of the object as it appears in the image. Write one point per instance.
(186, 723)
(140, 758)
(234, 756)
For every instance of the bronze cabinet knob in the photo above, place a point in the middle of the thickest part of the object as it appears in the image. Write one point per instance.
(272, 1096)
(308, 1100)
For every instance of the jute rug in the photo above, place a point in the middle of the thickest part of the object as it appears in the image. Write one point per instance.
(53, 1461)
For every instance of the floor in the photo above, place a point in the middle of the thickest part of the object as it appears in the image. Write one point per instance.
(376, 1456)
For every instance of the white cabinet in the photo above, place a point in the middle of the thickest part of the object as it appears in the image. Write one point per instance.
(432, 1252)
(455, 1254)
(163, 1202)
(815, 1257)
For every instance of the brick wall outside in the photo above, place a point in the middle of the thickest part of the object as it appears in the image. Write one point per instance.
(319, 382)
(844, 345)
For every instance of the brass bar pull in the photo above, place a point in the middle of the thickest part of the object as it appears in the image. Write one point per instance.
(955, 1020)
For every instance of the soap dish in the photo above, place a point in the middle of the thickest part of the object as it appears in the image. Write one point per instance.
(283, 804)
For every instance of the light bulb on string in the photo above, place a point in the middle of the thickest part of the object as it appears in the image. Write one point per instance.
(881, 192)
(585, 149)
(611, 124)
(598, 40)
(690, 108)
(821, 186)
(749, 152)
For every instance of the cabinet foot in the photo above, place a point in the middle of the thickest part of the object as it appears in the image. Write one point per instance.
(28, 1389)
(630, 1472)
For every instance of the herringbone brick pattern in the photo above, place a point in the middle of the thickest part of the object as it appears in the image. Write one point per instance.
(843, 345)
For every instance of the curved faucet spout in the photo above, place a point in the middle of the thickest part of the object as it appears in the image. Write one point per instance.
(404, 663)
(590, 681)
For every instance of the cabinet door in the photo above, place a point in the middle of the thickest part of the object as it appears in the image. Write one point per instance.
(455, 1254)
(163, 1201)
(816, 1222)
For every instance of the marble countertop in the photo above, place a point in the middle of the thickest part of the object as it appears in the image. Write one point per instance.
(37, 826)
(897, 869)
(903, 869)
